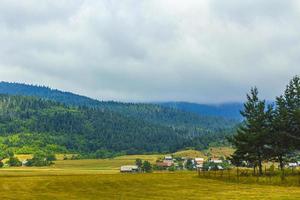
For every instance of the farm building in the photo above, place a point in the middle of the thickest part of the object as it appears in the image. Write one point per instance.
(168, 158)
(165, 163)
(199, 163)
(216, 160)
(129, 169)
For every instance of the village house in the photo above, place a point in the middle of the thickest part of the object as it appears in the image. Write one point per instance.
(167, 162)
(129, 169)
(216, 160)
(199, 163)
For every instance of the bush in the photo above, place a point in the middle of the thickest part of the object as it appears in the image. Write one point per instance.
(65, 157)
(1, 164)
(75, 157)
(172, 168)
(50, 157)
(41, 159)
(14, 162)
(147, 167)
(189, 164)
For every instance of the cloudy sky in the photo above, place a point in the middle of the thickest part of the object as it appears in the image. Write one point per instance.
(208, 51)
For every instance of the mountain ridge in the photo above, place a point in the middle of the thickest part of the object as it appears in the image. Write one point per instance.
(226, 110)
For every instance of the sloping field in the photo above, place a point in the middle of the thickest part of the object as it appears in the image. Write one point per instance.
(135, 186)
(211, 152)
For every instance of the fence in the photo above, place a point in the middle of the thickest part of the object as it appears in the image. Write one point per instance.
(288, 177)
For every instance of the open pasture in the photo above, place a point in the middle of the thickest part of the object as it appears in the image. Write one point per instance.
(184, 185)
(100, 179)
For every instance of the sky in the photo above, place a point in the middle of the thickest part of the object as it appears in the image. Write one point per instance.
(206, 51)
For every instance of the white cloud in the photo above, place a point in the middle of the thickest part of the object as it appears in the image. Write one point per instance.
(141, 50)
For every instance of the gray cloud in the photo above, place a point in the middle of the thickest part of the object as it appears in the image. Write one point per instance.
(141, 50)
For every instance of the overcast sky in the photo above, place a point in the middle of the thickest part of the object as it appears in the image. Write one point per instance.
(207, 51)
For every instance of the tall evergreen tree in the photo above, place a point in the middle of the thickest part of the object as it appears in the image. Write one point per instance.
(279, 140)
(291, 99)
(251, 137)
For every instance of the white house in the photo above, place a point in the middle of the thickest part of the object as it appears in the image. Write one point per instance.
(168, 158)
(292, 165)
(129, 169)
(216, 160)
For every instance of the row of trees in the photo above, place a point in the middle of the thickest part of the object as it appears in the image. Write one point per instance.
(270, 132)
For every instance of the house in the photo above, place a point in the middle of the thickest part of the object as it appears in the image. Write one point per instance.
(293, 165)
(168, 158)
(165, 163)
(216, 160)
(199, 163)
(129, 169)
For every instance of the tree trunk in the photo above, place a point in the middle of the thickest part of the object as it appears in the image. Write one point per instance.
(260, 170)
(280, 159)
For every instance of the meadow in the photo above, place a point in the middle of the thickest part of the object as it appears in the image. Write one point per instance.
(100, 179)
(183, 185)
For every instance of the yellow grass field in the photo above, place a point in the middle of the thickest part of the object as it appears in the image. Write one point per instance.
(100, 179)
(133, 186)
(213, 152)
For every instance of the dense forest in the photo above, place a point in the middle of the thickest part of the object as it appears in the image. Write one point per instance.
(153, 113)
(29, 123)
(77, 123)
(226, 110)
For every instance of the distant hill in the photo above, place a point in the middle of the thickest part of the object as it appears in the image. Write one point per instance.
(30, 124)
(46, 93)
(126, 122)
(159, 114)
(227, 110)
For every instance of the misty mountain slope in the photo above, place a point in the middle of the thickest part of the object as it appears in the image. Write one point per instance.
(227, 110)
(162, 115)
(47, 93)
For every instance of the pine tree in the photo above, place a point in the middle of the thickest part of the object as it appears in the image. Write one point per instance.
(279, 140)
(251, 137)
(291, 99)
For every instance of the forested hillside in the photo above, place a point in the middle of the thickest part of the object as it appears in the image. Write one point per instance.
(29, 123)
(195, 123)
(228, 110)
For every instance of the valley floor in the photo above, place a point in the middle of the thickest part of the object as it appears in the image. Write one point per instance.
(40, 184)
(100, 179)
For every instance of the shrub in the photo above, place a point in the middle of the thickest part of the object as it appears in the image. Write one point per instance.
(147, 167)
(14, 162)
(50, 157)
(172, 168)
(65, 157)
(41, 159)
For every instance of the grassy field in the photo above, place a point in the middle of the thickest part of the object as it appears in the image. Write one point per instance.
(182, 185)
(211, 152)
(100, 179)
